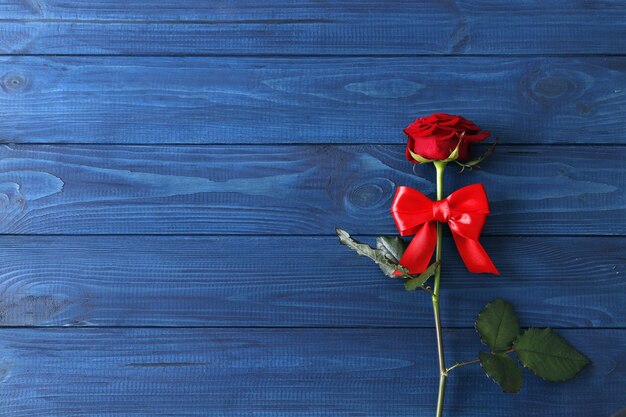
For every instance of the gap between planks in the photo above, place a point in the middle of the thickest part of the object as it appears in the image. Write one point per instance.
(451, 328)
(330, 56)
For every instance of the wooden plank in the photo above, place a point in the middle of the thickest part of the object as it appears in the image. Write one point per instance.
(243, 372)
(295, 281)
(293, 189)
(311, 27)
(269, 100)
(283, 10)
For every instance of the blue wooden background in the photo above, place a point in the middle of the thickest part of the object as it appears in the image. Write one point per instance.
(171, 173)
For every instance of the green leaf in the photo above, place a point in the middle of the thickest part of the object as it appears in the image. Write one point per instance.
(362, 249)
(497, 325)
(503, 370)
(392, 247)
(418, 281)
(548, 355)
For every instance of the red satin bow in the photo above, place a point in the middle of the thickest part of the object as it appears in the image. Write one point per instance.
(465, 211)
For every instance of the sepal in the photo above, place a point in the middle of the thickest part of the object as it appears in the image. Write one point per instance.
(419, 158)
(474, 163)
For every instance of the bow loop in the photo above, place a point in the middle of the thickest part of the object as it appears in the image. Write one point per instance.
(471, 200)
(470, 226)
(465, 211)
(413, 208)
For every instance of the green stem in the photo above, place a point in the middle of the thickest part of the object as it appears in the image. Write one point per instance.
(459, 364)
(440, 166)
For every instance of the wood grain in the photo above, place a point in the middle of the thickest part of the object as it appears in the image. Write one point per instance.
(293, 189)
(295, 281)
(312, 27)
(272, 100)
(243, 372)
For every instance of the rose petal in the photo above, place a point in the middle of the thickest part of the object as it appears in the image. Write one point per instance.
(435, 136)
(455, 121)
(477, 137)
(441, 137)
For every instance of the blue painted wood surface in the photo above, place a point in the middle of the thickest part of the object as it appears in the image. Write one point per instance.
(306, 100)
(172, 172)
(280, 281)
(311, 27)
(310, 189)
(283, 372)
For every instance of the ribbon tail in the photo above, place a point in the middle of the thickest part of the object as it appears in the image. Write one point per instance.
(474, 256)
(417, 255)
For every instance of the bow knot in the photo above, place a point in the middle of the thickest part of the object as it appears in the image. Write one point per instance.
(441, 211)
(465, 211)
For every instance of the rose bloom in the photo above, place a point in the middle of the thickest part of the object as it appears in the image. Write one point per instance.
(436, 136)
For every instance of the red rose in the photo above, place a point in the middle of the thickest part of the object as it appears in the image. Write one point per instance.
(436, 136)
